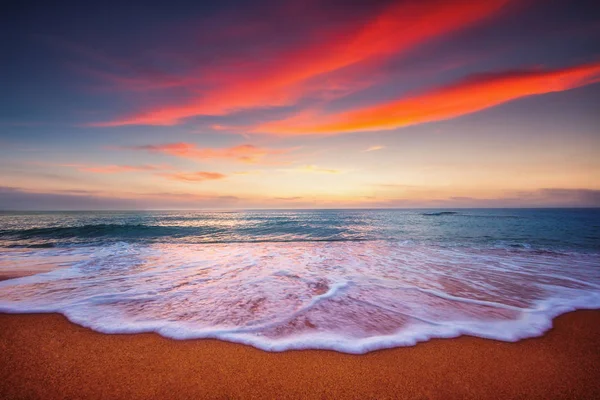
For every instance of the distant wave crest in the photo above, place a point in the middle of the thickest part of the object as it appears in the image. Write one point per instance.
(439, 213)
(284, 231)
(96, 230)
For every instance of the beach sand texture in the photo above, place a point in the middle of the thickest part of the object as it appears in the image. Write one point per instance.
(46, 356)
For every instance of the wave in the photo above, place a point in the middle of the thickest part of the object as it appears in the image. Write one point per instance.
(352, 297)
(526, 228)
(274, 231)
(456, 213)
(95, 230)
(30, 246)
(492, 216)
(439, 213)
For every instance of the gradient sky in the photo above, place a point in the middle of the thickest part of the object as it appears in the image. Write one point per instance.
(307, 104)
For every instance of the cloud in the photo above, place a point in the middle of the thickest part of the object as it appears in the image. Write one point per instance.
(545, 197)
(559, 196)
(280, 79)
(374, 148)
(78, 191)
(252, 172)
(245, 153)
(158, 170)
(315, 169)
(293, 198)
(468, 96)
(15, 198)
(200, 176)
(113, 169)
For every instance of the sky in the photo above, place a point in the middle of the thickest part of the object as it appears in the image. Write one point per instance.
(300, 104)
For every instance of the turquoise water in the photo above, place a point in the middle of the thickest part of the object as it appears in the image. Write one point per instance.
(346, 280)
(552, 229)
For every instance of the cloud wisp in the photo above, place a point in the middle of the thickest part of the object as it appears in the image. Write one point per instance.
(114, 169)
(473, 94)
(17, 198)
(199, 176)
(280, 80)
(314, 169)
(373, 148)
(244, 153)
(160, 170)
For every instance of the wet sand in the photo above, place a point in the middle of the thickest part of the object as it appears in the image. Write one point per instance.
(12, 268)
(45, 356)
(6, 274)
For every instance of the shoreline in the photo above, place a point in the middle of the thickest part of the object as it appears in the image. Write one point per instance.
(46, 356)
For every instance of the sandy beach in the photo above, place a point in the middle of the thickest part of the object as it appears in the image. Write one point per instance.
(46, 356)
(373, 199)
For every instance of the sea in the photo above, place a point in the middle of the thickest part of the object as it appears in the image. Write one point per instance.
(352, 281)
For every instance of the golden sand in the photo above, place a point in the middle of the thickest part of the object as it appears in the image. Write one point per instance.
(45, 356)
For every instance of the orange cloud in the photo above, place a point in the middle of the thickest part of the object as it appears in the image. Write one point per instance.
(374, 148)
(193, 176)
(465, 97)
(397, 29)
(246, 153)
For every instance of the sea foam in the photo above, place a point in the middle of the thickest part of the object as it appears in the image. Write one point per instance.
(352, 297)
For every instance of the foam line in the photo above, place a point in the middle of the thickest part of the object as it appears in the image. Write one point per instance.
(282, 296)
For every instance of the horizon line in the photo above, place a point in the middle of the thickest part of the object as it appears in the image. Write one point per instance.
(311, 209)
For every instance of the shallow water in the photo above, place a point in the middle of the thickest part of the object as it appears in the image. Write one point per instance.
(352, 281)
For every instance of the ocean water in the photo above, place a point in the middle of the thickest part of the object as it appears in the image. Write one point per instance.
(345, 280)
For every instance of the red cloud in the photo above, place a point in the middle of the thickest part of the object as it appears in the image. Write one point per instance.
(193, 176)
(397, 29)
(471, 95)
(246, 153)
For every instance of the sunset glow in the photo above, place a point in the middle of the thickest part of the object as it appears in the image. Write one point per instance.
(468, 96)
(303, 105)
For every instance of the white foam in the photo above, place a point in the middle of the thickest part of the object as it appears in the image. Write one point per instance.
(349, 297)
